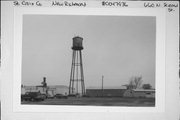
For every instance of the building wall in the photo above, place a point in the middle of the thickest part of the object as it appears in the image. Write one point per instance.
(50, 93)
(144, 94)
(35, 89)
(105, 92)
(152, 95)
(139, 94)
(51, 90)
(31, 89)
(94, 92)
(63, 90)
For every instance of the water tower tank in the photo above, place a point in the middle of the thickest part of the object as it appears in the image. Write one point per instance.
(77, 43)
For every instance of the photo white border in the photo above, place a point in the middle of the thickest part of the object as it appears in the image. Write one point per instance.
(160, 58)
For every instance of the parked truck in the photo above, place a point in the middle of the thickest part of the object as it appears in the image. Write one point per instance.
(32, 96)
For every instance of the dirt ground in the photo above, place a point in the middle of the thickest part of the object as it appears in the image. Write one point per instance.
(115, 101)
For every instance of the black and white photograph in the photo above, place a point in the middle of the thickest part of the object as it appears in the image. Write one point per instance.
(104, 60)
(88, 60)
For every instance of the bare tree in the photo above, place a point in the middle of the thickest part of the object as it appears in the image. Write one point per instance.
(138, 81)
(135, 82)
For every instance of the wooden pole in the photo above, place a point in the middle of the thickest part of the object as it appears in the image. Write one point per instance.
(102, 85)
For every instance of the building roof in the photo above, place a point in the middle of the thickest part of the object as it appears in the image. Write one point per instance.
(108, 87)
(58, 86)
(49, 86)
(144, 90)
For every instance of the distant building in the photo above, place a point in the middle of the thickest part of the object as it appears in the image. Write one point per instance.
(106, 92)
(49, 90)
(59, 89)
(40, 89)
(146, 93)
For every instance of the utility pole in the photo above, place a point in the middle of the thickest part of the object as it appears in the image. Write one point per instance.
(102, 85)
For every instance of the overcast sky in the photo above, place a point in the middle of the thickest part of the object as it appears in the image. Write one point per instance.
(117, 47)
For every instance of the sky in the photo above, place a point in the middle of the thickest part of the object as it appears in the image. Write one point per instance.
(117, 47)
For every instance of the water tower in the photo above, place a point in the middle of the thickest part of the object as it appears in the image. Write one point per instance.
(76, 85)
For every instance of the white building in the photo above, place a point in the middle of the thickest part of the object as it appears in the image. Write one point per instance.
(146, 93)
(50, 90)
(59, 89)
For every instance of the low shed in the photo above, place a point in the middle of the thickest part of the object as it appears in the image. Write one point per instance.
(106, 92)
(146, 93)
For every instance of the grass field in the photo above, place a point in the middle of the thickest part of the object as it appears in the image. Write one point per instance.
(114, 101)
